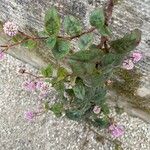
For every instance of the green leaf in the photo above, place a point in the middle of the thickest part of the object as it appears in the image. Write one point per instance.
(59, 87)
(31, 44)
(17, 38)
(72, 26)
(57, 109)
(127, 43)
(70, 92)
(51, 41)
(61, 49)
(43, 34)
(90, 93)
(85, 41)
(52, 22)
(118, 59)
(111, 60)
(61, 74)
(47, 72)
(79, 91)
(102, 122)
(108, 59)
(87, 56)
(74, 114)
(100, 95)
(81, 68)
(97, 18)
(94, 80)
(105, 31)
(105, 109)
(96, 95)
(83, 62)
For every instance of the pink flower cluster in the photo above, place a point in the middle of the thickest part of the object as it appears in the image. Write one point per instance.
(116, 130)
(10, 28)
(32, 86)
(37, 85)
(29, 115)
(128, 64)
(29, 85)
(1, 55)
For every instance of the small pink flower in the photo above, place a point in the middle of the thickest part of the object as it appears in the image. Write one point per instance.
(116, 130)
(96, 109)
(39, 84)
(44, 87)
(10, 28)
(29, 115)
(1, 55)
(136, 57)
(128, 64)
(29, 85)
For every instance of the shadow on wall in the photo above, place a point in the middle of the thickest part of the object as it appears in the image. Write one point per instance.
(126, 84)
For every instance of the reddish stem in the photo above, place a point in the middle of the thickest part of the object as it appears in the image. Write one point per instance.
(86, 32)
(37, 77)
(6, 47)
(108, 15)
(42, 38)
(27, 36)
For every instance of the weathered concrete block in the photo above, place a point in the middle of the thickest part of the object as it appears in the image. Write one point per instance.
(129, 14)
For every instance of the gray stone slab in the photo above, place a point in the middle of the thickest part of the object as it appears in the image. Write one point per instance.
(48, 132)
(129, 14)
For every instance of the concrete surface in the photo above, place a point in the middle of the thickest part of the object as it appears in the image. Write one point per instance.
(128, 14)
(48, 132)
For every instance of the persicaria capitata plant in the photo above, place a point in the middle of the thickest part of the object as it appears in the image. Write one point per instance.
(79, 72)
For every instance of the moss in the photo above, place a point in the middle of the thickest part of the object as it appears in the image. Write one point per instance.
(126, 84)
(129, 81)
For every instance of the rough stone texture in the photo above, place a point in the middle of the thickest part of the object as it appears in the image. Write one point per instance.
(48, 132)
(129, 14)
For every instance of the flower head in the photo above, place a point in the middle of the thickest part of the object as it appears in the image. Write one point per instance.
(44, 87)
(29, 115)
(136, 57)
(29, 85)
(116, 130)
(128, 64)
(1, 55)
(96, 109)
(10, 28)
(43, 95)
(39, 84)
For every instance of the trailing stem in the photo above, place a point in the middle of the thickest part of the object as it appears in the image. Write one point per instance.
(108, 15)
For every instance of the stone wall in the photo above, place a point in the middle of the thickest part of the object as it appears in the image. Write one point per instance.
(128, 14)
